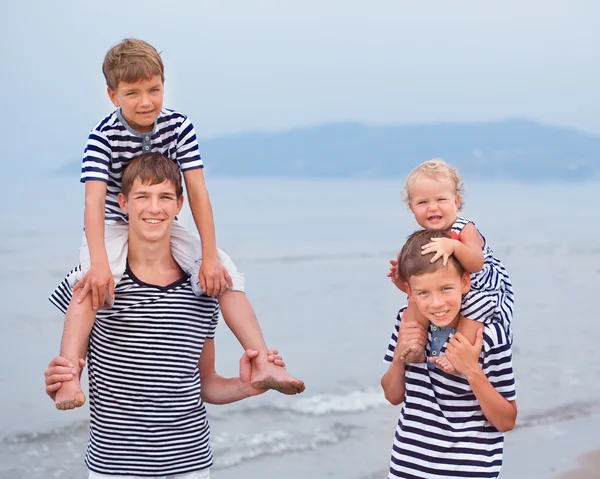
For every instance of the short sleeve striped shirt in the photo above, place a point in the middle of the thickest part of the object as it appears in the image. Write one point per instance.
(113, 143)
(146, 414)
(442, 432)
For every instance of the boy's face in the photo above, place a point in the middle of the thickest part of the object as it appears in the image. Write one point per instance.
(434, 203)
(438, 295)
(140, 102)
(151, 209)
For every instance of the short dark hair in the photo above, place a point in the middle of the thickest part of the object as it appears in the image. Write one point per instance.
(151, 169)
(413, 263)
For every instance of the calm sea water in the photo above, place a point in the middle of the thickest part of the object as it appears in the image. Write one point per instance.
(315, 256)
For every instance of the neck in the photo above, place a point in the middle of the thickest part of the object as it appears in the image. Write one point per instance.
(152, 262)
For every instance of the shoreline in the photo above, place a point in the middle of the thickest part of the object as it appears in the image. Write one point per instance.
(589, 465)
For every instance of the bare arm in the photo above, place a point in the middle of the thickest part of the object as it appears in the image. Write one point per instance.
(468, 250)
(93, 218)
(393, 381)
(501, 412)
(202, 212)
(219, 390)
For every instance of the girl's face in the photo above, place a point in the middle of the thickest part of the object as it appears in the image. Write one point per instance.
(434, 203)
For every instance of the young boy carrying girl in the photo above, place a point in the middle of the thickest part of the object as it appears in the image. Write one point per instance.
(450, 425)
(134, 75)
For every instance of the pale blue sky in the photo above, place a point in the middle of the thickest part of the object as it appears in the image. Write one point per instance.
(237, 66)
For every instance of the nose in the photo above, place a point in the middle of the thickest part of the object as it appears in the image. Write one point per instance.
(155, 204)
(145, 100)
(437, 300)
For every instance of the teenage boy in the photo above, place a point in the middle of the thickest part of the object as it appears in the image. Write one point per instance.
(151, 356)
(134, 75)
(449, 425)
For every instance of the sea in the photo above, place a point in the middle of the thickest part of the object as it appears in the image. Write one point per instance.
(315, 254)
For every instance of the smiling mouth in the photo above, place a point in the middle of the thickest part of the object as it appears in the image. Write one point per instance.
(146, 112)
(153, 221)
(434, 218)
(441, 314)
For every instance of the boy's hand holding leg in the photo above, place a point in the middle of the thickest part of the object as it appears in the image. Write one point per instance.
(214, 278)
(96, 281)
(463, 355)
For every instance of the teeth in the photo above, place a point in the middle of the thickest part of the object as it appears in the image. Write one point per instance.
(154, 222)
(439, 315)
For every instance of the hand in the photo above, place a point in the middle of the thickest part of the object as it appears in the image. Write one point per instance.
(59, 370)
(95, 281)
(395, 276)
(246, 369)
(442, 247)
(409, 333)
(214, 278)
(463, 355)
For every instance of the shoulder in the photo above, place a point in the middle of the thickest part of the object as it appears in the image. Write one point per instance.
(172, 116)
(106, 124)
(495, 339)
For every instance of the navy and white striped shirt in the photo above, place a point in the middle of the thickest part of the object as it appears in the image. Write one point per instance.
(113, 143)
(146, 414)
(442, 432)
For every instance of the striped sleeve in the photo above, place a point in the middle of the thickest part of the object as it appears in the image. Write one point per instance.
(213, 324)
(497, 361)
(389, 354)
(188, 154)
(96, 158)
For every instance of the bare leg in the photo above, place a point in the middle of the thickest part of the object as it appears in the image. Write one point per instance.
(240, 318)
(414, 353)
(78, 324)
(468, 328)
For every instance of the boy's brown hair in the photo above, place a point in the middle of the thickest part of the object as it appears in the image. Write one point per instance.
(413, 263)
(131, 61)
(151, 169)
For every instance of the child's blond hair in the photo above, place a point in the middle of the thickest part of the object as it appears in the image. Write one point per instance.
(131, 61)
(439, 170)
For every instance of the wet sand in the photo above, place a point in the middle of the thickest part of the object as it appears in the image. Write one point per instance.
(589, 468)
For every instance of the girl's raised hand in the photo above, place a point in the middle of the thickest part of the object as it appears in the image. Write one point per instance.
(442, 247)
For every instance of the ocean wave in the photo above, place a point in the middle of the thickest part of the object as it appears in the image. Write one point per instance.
(231, 449)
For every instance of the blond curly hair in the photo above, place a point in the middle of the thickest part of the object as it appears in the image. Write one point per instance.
(439, 170)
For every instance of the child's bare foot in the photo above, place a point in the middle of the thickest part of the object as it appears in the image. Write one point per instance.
(70, 395)
(415, 353)
(444, 364)
(266, 375)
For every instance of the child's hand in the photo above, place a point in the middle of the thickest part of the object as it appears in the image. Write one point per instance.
(95, 281)
(394, 274)
(442, 247)
(463, 355)
(214, 278)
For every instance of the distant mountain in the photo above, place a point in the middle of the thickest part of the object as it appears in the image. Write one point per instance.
(510, 149)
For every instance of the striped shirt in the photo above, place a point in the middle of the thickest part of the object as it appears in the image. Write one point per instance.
(442, 432)
(113, 143)
(146, 414)
(491, 297)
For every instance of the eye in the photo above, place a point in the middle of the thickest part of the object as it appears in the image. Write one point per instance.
(422, 293)
(422, 202)
(442, 199)
(154, 90)
(447, 288)
(131, 93)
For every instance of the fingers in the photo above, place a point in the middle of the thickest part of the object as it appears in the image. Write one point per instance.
(81, 363)
(273, 351)
(58, 378)
(210, 287)
(53, 388)
(202, 282)
(445, 259)
(228, 280)
(94, 298)
(59, 361)
(222, 285)
(84, 292)
(436, 256)
(251, 353)
(111, 287)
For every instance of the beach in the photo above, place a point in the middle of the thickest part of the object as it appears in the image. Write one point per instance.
(315, 262)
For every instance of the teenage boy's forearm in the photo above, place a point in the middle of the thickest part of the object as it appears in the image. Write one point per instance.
(219, 390)
(497, 410)
(393, 382)
(470, 259)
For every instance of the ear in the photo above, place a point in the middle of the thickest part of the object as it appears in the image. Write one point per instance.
(122, 202)
(113, 97)
(457, 202)
(408, 291)
(465, 282)
(179, 204)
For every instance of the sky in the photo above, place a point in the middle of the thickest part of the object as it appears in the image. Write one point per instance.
(237, 66)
